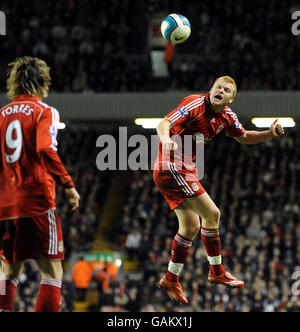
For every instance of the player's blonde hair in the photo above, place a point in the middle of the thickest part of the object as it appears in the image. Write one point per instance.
(28, 75)
(230, 80)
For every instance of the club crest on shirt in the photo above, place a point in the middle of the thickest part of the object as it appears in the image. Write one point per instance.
(195, 186)
(183, 111)
(60, 246)
(198, 138)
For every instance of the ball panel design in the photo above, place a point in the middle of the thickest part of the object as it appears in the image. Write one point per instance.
(180, 34)
(184, 20)
(168, 26)
(176, 28)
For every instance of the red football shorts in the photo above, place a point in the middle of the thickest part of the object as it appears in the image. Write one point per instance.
(177, 185)
(32, 237)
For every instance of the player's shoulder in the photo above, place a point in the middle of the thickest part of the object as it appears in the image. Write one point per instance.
(231, 117)
(228, 112)
(194, 98)
(47, 110)
(46, 106)
(193, 102)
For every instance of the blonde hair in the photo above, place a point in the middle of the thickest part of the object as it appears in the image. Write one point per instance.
(230, 80)
(29, 76)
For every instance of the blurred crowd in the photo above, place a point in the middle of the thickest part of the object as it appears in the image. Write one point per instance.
(84, 42)
(77, 151)
(95, 46)
(255, 189)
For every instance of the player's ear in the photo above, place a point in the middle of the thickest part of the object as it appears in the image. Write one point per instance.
(231, 100)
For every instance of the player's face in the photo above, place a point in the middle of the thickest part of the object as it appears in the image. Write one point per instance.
(221, 94)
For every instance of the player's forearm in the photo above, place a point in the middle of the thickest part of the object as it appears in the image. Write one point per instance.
(255, 137)
(57, 168)
(163, 130)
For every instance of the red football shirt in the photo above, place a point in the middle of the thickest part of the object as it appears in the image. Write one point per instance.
(28, 145)
(194, 118)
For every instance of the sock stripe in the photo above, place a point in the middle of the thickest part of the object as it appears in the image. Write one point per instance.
(210, 232)
(183, 242)
(51, 282)
(15, 282)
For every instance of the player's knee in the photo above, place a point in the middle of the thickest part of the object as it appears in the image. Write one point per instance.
(195, 229)
(191, 231)
(53, 273)
(13, 271)
(51, 269)
(214, 218)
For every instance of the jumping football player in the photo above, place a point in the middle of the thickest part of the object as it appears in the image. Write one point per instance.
(29, 169)
(207, 115)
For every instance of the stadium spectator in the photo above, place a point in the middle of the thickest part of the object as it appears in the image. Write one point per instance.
(132, 244)
(82, 276)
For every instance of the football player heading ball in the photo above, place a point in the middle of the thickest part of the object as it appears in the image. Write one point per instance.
(207, 114)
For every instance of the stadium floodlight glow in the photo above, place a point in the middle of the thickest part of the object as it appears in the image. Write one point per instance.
(61, 125)
(118, 262)
(148, 123)
(266, 122)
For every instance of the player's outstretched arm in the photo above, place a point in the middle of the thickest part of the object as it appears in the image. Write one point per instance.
(163, 132)
(255, 137)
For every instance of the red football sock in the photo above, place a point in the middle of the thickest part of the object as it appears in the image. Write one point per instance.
(49, 296)
(180, 249)
(7, 294)
(212, 243)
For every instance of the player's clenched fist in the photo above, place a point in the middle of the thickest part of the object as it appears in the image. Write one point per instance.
(169, 145)
(73, 198)
(276, 129)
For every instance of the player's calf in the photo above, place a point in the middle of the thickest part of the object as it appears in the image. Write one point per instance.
(49, 297)
(9, 280)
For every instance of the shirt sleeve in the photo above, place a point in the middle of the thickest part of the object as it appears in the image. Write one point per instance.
(46, 144)
(187, 110)
(234, 128)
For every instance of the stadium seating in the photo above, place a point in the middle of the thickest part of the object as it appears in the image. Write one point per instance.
(109, 51)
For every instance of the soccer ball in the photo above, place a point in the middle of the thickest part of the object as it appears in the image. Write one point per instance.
(176, 28)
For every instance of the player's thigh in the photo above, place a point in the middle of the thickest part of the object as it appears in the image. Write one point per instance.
(189, 222)
(204, 207)
(12, 270)
(50, 269)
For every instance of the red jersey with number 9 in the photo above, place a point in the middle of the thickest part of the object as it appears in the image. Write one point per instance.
(29, 159)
